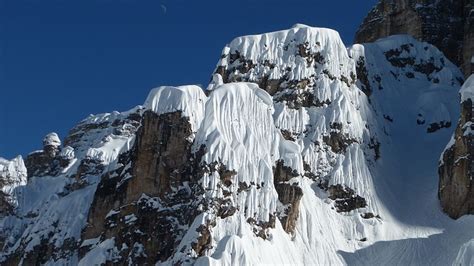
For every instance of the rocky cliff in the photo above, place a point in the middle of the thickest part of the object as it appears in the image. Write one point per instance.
(446, 24)
(456, 187)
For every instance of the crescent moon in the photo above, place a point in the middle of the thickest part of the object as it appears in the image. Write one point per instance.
(163, 7)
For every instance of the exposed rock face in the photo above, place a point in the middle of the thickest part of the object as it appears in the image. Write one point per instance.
(445, 24)
(161, 154)
(38, 163)
(336, 140)
(456, 170)
(146, 203)
(288, 194)
(345, 198)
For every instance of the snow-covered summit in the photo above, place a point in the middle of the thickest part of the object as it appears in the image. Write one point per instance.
(188, 99)
(300, 25)
(296, 54)
(52, 139)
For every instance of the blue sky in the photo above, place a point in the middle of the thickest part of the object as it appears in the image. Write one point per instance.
(63, 60)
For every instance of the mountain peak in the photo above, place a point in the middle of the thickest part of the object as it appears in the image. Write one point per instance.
(300, 25)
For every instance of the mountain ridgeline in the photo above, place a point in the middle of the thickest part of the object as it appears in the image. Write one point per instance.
(300, 151)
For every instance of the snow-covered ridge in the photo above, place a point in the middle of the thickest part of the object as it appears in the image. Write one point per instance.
(52, 210)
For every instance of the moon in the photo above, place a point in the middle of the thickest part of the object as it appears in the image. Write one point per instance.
(163, 7)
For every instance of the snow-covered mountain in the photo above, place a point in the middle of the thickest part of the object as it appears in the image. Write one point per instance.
(301, 150)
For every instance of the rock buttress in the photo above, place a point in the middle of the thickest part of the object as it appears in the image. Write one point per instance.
(288, 194)
(148, 203)
(456, 170)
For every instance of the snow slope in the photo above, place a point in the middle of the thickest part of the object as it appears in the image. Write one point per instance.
(408, 171)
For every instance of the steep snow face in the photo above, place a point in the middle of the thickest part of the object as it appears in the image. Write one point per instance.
(12, 175)
(238, 131)
(311, 78)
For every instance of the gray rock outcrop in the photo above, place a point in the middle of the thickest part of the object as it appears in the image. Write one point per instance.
(446, 24)
(40, 163)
